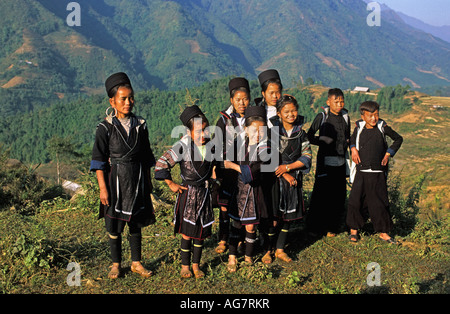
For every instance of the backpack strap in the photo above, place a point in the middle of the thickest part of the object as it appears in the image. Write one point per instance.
(326, 112)
(360, 125)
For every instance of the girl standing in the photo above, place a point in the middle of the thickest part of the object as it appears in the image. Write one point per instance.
(295, 160)
(231, 124)
(122, 158)
(271, 91)
(193, 212)
(247, 204)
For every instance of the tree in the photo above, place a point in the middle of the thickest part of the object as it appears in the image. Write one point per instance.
(62, 149)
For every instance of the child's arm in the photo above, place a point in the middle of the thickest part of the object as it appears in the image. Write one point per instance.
(104, 195)
(392, 150)
(315, 126)
(303, 162)
(290, 179)
(100, 163)
(355, 155)
(282, 169)
(231, 165)
(397, 138)
(354, 151)
(166, 162)
(174, 187)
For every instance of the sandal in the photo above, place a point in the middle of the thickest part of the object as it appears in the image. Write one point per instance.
(222, 247)
(353, 238)
(199, 274)
(390, 240)
(283, 256)
(267, 258)
(141, 271)
(114, 273)
(248, 259)
(185, 273)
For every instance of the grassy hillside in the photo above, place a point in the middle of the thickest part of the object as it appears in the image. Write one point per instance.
(38, 241)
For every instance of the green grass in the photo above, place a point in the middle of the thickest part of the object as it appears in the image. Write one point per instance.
(36, 249)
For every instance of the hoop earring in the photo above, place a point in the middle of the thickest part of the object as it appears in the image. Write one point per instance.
(110, 114)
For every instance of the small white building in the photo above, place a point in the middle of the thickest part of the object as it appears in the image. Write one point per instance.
(359, 89)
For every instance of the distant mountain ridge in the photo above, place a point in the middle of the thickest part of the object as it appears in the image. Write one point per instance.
(178, 44)
(443, 32)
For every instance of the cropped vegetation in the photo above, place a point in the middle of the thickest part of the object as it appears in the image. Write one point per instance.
(42, 232)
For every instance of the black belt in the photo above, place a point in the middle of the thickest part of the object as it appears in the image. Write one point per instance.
(125, 160)
(204, 183)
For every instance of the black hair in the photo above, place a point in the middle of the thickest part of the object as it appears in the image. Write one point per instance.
(266, 84)
(190, 123)
(240, 89)
(248, 121)
(284, 100)
(336, 92)
(370, 106)
(112, 93)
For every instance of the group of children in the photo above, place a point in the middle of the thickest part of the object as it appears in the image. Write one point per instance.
(252, 169)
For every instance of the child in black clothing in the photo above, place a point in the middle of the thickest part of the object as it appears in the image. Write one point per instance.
(193, 212)
(371, 155)
(327, 206)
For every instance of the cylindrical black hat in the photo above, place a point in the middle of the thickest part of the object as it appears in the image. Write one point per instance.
(116, 79)
(238, 82)
(252, 111)
(268, 75)
(189, 113)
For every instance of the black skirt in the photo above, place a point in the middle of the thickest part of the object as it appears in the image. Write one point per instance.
(188, 220)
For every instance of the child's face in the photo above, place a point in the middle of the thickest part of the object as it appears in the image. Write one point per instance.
(288, 114)
(240, 102)
(371, 118)
(336, 104)
(199, 132)
(255, 132)
(123, 102)
(272, 94)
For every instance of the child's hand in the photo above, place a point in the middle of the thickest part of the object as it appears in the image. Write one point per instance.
(355, 156)
(385, 160)
(176, 188)
(104, 197)
(282, 169)
(290, 179)
(328, 140)
(231, 165)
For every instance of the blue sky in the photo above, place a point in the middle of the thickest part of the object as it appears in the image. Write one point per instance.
(433, 12)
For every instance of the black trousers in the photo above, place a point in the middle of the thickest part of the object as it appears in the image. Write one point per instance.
(327, 206)
(369, 191)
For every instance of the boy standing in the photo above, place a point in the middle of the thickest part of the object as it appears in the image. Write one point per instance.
(371, 155)
(327, 205)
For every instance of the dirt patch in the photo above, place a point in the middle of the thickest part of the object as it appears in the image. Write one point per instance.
(17, 80)
(411, 118)
(195, 47)
(269, 63)
(372, 80)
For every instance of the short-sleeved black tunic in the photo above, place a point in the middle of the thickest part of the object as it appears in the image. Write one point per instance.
(126, 160)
